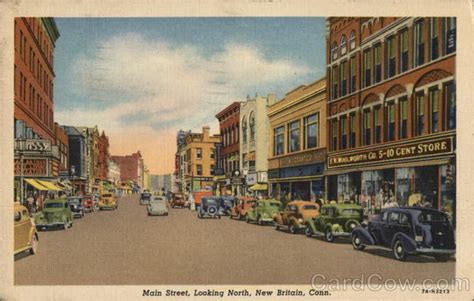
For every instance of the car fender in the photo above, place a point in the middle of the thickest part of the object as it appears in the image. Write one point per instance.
(311, 225)
(346, 224)
(408, 243)
(364, 235)
(33, 233)
(277, 219)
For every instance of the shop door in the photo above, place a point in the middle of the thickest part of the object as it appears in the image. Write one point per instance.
(427, 183)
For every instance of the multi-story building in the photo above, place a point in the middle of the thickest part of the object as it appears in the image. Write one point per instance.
(228, 155)
(62, 141)
(36, 154)
(297, 148)
(180, 162)
(254, 143)
(158, 182)
(104, 156)
(77, 159)
(92, 158)
(199, 155)
(392, 110)
(113, 173)
(131, 168)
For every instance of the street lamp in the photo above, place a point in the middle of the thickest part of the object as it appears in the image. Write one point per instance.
(73, 172)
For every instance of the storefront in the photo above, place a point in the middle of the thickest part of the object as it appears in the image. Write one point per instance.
(420, 170)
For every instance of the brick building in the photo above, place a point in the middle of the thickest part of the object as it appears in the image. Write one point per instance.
(104, 155)
(131, 168)
(391, 110)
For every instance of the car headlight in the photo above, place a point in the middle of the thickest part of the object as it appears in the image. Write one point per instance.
(300, 220)
(418, 238)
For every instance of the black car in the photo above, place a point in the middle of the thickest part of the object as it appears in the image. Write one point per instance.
(75, 204)
(408, 231)
(227, 202)
(209, 207)
(145, 198)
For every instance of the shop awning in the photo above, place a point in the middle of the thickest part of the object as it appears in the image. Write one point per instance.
(49, 185)
(35, 184)
(259, 187)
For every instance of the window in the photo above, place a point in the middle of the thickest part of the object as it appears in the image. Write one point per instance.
(377, 125)
(390, 130)
(334, 82)
(15, 78)
(311, 126)
(434, 33)
(343, 45)
(343, 78)
(367, 68)
(391, 56)
(366, 127)
(352, 125)
(199, 153)
(278, 140)
(294, 136)
(403, 103)
(252, 126)
(244, 130)
(334, 134)
(404, 51)
(213, 153)
(394, 216)
(352, 83)
(21, 43)
(450, 98)
(199, 169)
(434, 109)
(334, 51)
(419, 44)
(21, 85)
(352, 42)
(450, 35)
(343, 121)
(377, 63)
(212, 169)
(420, 114)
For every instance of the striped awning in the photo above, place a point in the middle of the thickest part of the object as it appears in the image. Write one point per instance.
(259, 187)
(35, 184)
(49, 185)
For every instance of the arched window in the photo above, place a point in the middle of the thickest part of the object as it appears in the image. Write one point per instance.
(244, 130)
(343, 45)
(252, 126)
(334, 51)
(352, 40)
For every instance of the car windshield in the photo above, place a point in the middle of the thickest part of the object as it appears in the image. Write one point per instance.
(53, 205)
(209, 201)
(310, 207)
(74, 200)
(428, 217)
(350, 212)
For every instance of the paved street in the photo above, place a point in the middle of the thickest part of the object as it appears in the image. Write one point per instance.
(128, 247)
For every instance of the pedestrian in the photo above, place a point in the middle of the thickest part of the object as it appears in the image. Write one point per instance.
(425, 203)
(29, 202)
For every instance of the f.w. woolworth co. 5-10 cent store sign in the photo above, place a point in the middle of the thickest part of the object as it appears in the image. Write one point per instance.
(391, 153)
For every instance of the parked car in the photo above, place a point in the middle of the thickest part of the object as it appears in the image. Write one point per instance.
(263, 212)
(145, 198)
(178, 200)
(88, 203)
(227, 202)
(108, 201)
(295, 216)
(75, 204)
(25, 235)
(209, 207)
(56, 212)
(241, 207)
(408, 231)
(335, 220)
(158, 205)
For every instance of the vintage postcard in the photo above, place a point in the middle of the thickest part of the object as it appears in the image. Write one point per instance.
(264, 149)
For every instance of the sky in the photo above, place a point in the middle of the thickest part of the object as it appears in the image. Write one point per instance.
(142, 79)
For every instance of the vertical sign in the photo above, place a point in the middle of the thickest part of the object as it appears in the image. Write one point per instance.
(218, 170)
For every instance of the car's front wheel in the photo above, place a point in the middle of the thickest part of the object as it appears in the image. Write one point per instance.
(328, 235)
(357, 242)
(34, 245)
(307, 231)
(277, 227)
(259, 220)
(399, 251)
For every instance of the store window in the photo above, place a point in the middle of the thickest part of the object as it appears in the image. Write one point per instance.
(391, 57)
(377, 125)
(405, 186)
(311, 126)
(420, 113)
(403, 103)
(278, 140)
(434, 109)
(377, 63)
(343, 45)
(213, 153)
(343, 121)
(347, 187)
(352, 41)
(334, 134)
(252, 126)
(404, 51)
(434, 33)
(377, 189)
(317, 190)
(352, 83)
(343, 73)
(334, 82)
(352, 125)
(450, 35)
(448, 189)
(366, 127)
(450, 98)
(390, 126)
(367, 67)
(294, 136)
(419, 44)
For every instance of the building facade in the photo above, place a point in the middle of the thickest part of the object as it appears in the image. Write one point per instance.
(113, 173)
(36, 153)
(62, 141)
(104, 156)
(228, 156)
(180, 162)
(297, 148)
(131, 168)
(391, 111)
(91, 135)
(77, 159)
(199, 155)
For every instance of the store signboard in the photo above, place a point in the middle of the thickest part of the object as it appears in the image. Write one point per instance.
(33, 145)
(306, 158)
(32, 167)
(251, 179)
(413, 150)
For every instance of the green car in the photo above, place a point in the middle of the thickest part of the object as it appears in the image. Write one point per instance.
(55, 212)
(335, 220)
(263, 211)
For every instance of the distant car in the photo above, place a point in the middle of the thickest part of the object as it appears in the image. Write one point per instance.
(108, 201)
(158, 205)
(335, 220)
(75, 204)
(25, 235)
(263, 212)
(295, 216)
(227, 203)
(408, 231)
(56, 212)
(209, 207)
(241, 207)
(88, 203)
(178, 200)
(145, 198)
